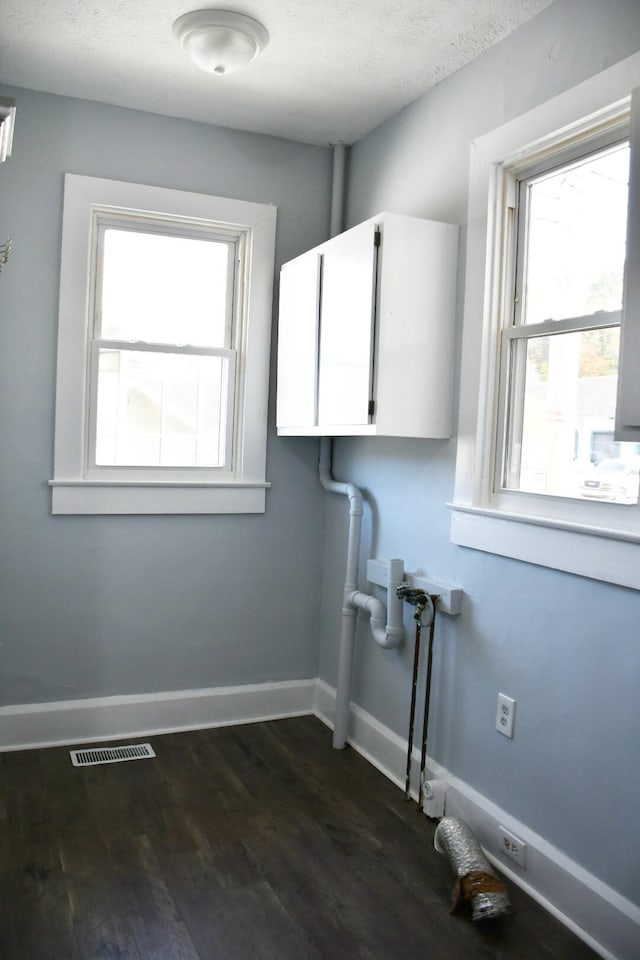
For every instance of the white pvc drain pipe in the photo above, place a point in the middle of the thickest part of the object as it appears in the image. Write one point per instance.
(386, 623)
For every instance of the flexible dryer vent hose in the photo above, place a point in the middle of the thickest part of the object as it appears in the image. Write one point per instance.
(477, 882)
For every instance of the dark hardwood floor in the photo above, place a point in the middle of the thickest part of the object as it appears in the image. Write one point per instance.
(244, 843)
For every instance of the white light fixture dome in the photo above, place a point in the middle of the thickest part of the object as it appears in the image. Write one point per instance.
(220, 41)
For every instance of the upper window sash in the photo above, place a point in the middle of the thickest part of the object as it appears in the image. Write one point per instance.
(523, 179)
(167, 227)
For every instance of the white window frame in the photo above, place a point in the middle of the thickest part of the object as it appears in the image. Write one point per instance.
(235, 310)
(611, 131)
(596, 540)
(78, 486)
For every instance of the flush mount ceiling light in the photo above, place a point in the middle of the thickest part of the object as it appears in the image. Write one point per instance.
(220, 41)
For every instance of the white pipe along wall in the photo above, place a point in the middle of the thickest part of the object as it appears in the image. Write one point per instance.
(337, 189)
(387, 635)
(386, 624)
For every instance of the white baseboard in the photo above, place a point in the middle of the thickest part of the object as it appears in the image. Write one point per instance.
(601, 917)
(87, 721)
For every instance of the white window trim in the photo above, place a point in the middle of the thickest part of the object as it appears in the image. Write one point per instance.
(548, 531)
(628, 401)
(244, 492)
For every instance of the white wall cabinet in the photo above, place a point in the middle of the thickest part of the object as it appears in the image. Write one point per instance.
(366, 332)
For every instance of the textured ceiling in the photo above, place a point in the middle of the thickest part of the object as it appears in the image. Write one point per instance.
(333, 70)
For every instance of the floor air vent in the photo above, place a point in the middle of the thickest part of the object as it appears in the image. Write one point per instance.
(94, 755)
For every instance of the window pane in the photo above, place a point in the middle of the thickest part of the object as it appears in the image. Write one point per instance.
(164, 289)
(562, 431)
(576, 236)
(161, 409)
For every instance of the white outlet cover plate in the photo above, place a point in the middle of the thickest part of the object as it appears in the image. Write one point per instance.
(512, 846)
(505, 715)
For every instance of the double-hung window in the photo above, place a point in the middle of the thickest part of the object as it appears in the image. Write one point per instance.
(163, 355)
(566, 238)
(544, 473)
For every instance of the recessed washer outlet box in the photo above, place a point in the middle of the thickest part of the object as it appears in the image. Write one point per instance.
(449, 595)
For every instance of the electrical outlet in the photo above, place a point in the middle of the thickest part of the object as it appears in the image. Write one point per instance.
(512, 846)
(505, 715)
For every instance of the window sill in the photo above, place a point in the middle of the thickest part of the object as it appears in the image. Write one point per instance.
(156, 497)
(588, 551)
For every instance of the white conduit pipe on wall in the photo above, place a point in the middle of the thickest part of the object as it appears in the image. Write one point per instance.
(337, 189)
(386, 624)
(386, 627)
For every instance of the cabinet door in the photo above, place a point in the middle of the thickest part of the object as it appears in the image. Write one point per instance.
(298, 342)
(347, 327)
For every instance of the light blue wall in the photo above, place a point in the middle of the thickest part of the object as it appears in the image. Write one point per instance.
(567, 649)
(113, 605)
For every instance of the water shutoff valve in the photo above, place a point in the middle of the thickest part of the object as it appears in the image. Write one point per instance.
(417, 598)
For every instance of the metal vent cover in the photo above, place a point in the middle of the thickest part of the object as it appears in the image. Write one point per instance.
(94, 755)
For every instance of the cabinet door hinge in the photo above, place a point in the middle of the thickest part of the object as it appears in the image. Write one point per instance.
(376, 238)
(371, 408)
